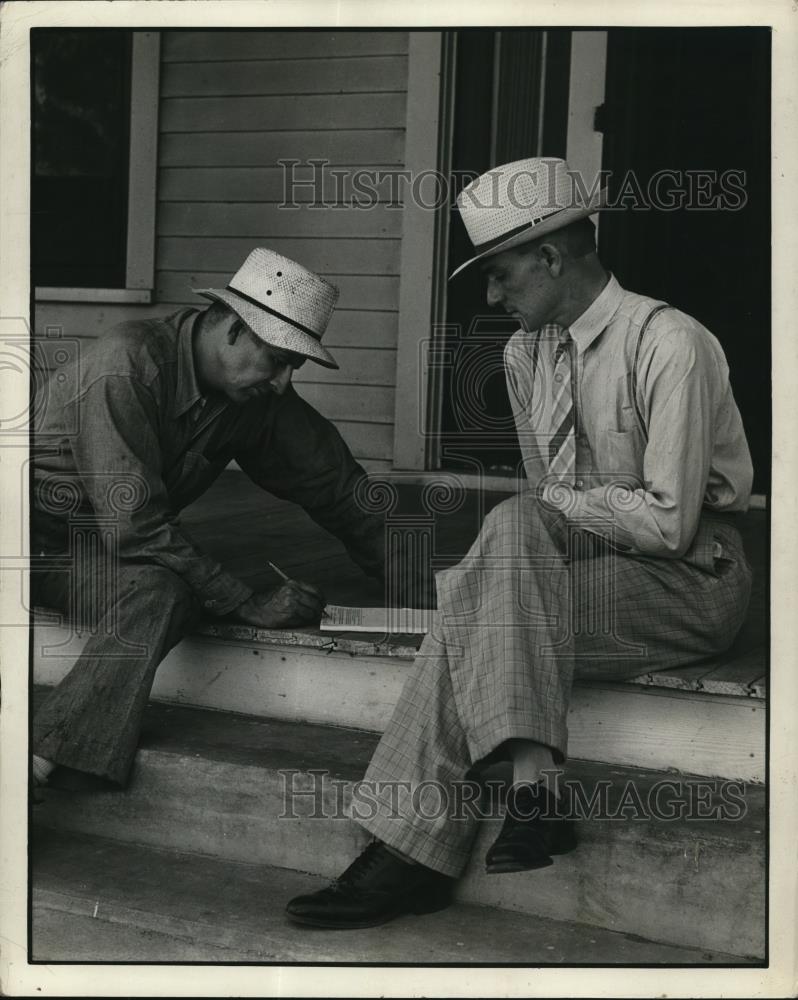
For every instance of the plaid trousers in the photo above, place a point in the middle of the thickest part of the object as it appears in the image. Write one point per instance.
(533, 604)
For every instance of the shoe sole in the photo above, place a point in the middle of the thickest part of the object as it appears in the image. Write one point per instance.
(353, 925)
(508, 867)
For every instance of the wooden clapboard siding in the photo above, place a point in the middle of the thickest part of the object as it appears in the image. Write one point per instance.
(358, 366)
(285, 76)
(86, 320)
(264, 114)
(234, 107)
(256, 218)
(327, 256)
(279, 185)
(353, 403)
(239, 46)
(257, 149)
(368, 440)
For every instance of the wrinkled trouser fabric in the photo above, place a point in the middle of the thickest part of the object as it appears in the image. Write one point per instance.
(532, 605)
(92, 720)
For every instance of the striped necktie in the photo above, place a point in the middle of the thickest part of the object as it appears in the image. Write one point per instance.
(562, 445)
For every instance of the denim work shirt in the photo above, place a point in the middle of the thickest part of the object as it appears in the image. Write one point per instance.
(645, 484)
(126, 437)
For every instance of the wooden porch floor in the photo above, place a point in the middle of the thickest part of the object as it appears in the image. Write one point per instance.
(243, 527)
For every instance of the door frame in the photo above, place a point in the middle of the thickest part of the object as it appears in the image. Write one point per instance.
(425, 233)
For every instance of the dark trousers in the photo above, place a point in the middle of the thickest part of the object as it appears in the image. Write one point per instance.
(135, 613)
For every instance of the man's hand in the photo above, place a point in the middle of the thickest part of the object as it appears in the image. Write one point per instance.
(293, 603)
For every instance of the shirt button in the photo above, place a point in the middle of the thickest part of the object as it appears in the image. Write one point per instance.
(558, 378)
(580, 483)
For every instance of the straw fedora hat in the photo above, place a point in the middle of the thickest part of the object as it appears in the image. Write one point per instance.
(282, 302)
(521, 201)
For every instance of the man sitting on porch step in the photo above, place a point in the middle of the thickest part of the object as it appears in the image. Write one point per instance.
(135, 432)
(621, 557)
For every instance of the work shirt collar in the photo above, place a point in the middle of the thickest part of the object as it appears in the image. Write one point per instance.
(595, 319)
(187, 392)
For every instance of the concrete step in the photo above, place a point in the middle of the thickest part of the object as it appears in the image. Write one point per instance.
(218, 784)
(304, 676)
(97, 900)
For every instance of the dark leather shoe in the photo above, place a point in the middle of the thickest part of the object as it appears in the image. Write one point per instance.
(532, 832)
(374, 889)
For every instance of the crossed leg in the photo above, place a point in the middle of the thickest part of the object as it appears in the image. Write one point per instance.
(526, 609)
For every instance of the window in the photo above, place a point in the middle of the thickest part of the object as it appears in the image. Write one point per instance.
(94, 135)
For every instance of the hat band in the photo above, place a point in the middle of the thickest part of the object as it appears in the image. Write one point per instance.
(274, 312)
(490, 244)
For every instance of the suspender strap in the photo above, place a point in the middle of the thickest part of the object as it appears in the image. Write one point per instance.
(643, 328)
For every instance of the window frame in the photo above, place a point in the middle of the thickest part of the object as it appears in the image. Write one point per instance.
(142, 184)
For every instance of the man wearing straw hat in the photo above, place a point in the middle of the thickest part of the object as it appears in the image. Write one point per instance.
(622, 555)
(143, 427)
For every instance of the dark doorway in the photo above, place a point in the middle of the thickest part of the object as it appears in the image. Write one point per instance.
(695, 102)
(511, 102)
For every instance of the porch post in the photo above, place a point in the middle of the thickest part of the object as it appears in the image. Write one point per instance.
(418, 246)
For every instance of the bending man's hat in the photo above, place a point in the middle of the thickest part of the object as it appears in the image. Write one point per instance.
(522, 201)
(283, 303)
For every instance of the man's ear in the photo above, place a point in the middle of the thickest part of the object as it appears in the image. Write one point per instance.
(235, 329)
(551, 257)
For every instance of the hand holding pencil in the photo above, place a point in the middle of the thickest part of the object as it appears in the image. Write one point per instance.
(293, 604)
(287, 579)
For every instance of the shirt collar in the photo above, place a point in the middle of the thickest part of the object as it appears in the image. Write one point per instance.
(187, 392)
(595, 319)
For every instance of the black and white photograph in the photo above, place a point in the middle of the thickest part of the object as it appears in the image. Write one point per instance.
(392, 531)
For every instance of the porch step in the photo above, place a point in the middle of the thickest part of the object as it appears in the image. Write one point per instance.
(669, 719)
(100, 900)
(216, 784)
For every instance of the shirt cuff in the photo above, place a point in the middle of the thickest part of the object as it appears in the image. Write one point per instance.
(223, 594)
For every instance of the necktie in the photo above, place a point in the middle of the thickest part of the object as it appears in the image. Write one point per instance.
(562, 445)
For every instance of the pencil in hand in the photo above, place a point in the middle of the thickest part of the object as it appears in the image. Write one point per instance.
(278, 571)
(286, 577)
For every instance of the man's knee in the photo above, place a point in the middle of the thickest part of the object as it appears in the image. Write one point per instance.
(507, 513)
(159, 587)
(525, 515)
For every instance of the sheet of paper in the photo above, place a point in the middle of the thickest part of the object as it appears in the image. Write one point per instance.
(343, 619)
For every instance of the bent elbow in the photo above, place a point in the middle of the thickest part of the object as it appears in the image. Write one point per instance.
(667, 544)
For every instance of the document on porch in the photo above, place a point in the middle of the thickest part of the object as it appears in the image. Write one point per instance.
(338, 618)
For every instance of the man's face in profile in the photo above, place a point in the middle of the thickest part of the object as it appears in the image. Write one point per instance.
(250, 368)
(519, 282)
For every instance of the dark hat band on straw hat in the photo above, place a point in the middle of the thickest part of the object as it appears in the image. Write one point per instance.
(510, 233)
(275, 313)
